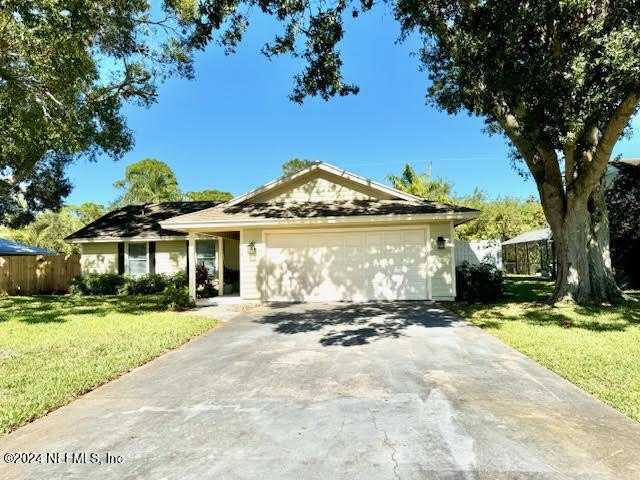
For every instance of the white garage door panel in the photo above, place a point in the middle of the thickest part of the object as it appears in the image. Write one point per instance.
(350, 265)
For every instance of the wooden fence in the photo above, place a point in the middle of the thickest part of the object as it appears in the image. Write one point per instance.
(28, 275)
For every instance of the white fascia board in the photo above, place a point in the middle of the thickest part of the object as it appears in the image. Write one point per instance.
(257, 222)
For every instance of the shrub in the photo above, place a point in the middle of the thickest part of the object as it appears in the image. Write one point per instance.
(149, 284)
(97, 284)
(179, 279)
(479, 282)
(177, 298)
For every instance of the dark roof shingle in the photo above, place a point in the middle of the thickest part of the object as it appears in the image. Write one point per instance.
(139, 220)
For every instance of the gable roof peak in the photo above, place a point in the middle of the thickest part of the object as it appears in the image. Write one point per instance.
(328, 168)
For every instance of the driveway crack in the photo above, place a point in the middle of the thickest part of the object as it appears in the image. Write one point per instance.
(388, 444)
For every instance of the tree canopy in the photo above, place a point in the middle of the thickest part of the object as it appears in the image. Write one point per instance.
(211, 195)
(295, 165)
(66, 70)
(148, 181)
(500, 218)
(421, 185)
(560, 80)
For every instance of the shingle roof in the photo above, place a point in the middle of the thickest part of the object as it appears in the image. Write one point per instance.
(532, 236)
(8, 247)
(274, 210)
(139, 220)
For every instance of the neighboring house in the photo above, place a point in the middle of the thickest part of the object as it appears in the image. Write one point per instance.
(9, 248)
(321, 234)
(131, 241)
(530, 253)
(613, 172)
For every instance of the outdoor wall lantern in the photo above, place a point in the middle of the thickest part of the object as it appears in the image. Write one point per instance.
(441, 243)
(251, 247)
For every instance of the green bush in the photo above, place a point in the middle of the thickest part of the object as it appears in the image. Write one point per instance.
(97, 284)
(149, 284)
(479, 282)
(179, 279)
(177, 298)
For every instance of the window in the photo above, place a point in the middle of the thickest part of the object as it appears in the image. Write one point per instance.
(138, 264)
(206, 252)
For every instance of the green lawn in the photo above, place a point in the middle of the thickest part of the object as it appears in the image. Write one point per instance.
(55, 348)
(595, 347)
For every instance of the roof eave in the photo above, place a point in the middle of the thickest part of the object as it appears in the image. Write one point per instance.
(330, 220)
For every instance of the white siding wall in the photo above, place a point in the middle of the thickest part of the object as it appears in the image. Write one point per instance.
(171, 256)
(250, 284)
(441, 263)
(99, 258)
(321, 188)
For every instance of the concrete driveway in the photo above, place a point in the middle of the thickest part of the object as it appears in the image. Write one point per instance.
(341, 391)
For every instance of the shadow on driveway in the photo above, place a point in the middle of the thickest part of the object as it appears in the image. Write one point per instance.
(352, 324)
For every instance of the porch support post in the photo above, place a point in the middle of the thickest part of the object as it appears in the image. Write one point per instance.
(192, 265)
(220, 266)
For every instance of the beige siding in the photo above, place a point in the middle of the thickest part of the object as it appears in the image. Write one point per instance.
(319, 187)
(440, 263)
(99, 258)
(250, 281)
(171, 256)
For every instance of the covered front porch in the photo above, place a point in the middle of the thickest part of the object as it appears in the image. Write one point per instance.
(213, 265)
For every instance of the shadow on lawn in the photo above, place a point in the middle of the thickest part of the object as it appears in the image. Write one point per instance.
(352, 324)
(50, 308)
(526, 300)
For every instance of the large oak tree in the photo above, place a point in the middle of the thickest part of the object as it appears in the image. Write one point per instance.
(67, 67)
(560, 79)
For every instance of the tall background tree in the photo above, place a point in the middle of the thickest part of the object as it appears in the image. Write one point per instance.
(148, 181)
(560, 79)
(421, 185)
(66, 69)
(210, 195)
(500, 218)
(295, 165)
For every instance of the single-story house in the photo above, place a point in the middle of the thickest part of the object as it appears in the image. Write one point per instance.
(320, 234)
(530, 253)
(9, 248)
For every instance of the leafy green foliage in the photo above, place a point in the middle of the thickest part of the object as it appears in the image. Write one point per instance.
(210, 195)
(421, 185)
(49, 228)
(623, 204)
(177, 298)
(98, 284)
(295, 165)
(66, 70)
(148, 284)
(114, 284)
(148, 181)
(478, 282)
(500, 218)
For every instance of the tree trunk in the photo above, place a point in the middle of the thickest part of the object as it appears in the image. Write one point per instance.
(581, 237)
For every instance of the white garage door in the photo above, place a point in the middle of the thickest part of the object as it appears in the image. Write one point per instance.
(346, 265)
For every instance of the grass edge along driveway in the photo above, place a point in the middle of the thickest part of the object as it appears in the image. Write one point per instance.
(595, 347)
(53, 349)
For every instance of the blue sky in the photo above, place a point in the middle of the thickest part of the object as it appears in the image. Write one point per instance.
(232, 127)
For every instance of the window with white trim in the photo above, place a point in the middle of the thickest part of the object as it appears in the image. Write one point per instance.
(138, 259)
(207, 253)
